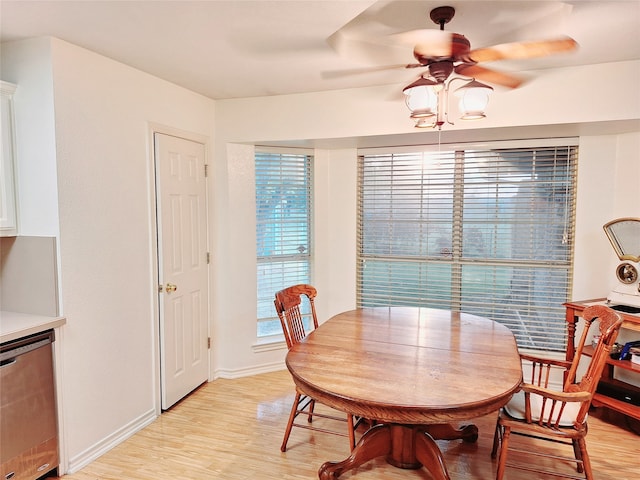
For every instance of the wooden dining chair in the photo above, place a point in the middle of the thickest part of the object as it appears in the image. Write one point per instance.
(288, 306)
(539, 411)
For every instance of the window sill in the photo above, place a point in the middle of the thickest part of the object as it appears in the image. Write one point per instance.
(543, 353)
(268, 344)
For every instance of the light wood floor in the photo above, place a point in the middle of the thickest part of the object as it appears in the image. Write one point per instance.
(232, 429)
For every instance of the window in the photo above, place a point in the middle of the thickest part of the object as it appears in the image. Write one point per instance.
(283, 226)
(483, 231)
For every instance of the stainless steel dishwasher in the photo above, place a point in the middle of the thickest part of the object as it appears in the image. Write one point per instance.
(28, 426)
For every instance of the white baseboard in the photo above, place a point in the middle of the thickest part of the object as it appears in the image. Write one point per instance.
(246, 372)
(103, 446)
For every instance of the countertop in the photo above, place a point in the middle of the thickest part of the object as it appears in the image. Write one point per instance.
(15, 325)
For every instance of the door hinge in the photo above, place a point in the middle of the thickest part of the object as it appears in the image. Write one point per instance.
(209, 343)
(208, 258)
(206, 170)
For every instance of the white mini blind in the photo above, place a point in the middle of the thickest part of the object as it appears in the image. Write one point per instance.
(483, 231)
(283, 226)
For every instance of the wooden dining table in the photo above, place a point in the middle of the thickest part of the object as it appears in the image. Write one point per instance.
(415, 373)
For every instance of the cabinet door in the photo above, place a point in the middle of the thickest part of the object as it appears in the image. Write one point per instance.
(8, 217)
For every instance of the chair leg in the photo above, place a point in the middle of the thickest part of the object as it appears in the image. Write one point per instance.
(352, 432)
(296, 409)
(311, 405)
(578, 454)
(292, 416)
(502, 460)
(586, 463)
(496, 439)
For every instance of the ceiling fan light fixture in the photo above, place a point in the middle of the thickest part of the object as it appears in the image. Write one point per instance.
(473, 115)
(421, 98)
(474, 98)
(424, 113)
(425, 122)
(448, 57)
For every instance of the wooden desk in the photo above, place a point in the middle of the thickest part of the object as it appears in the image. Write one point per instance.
(415, 371)
(600, 399)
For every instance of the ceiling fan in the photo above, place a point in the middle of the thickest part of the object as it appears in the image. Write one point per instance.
(447, 57)
(443, 52)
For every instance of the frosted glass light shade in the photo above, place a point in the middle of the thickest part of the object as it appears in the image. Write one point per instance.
(474, 97)
(420, 98)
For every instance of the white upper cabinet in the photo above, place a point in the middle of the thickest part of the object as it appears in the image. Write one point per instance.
(8, 210)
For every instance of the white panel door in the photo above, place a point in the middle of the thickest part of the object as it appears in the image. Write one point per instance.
(182, 265)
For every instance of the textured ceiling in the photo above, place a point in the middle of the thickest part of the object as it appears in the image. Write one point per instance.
(231, 49)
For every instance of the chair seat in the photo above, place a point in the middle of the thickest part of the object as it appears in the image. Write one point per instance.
(516, 409)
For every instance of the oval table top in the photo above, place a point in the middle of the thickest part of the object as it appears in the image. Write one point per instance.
(408, 365)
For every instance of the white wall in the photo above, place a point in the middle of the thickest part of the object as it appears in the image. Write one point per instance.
(608, 186)
(104, 205)
(553, 98)
(335, 213)
(627, 187)
(103, 110)
(236, 351)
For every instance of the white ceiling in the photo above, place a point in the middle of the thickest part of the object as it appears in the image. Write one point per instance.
(244, 48)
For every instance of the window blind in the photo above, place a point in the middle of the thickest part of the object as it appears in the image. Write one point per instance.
(483, 231)
(283, 225)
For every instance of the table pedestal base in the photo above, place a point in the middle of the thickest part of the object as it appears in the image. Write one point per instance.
(405, 446)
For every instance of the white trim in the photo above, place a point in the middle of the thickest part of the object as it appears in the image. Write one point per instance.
(153, 128)
(533, 143)
(230, 374)
(269, 344)
(284, 150)
(9, 223)
(7, 88)
(542, 353)
(176, 132)
(103, 446)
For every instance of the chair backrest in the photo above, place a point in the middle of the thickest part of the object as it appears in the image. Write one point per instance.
(609, 323)
(287, 303)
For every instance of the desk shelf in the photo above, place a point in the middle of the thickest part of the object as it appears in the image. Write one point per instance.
(607, 382)
(601, 399)
(625, 364)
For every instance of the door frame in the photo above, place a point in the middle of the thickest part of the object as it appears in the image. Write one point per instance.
(153, 128)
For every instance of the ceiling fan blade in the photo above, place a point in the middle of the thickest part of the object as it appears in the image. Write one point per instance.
(364, 70)
(370, 50)
(518, 50)
(490, 76)
(426, 42)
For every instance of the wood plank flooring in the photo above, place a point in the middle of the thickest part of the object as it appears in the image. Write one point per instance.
(232, 430)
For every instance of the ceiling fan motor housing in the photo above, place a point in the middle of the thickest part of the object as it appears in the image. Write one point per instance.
(441, 70)
(460, 47)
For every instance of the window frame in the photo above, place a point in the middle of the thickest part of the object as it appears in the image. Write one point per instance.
(268, 329)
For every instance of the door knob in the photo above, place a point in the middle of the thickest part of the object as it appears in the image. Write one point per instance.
(169, 287)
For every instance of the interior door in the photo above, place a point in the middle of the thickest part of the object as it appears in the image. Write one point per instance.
(182, 265)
